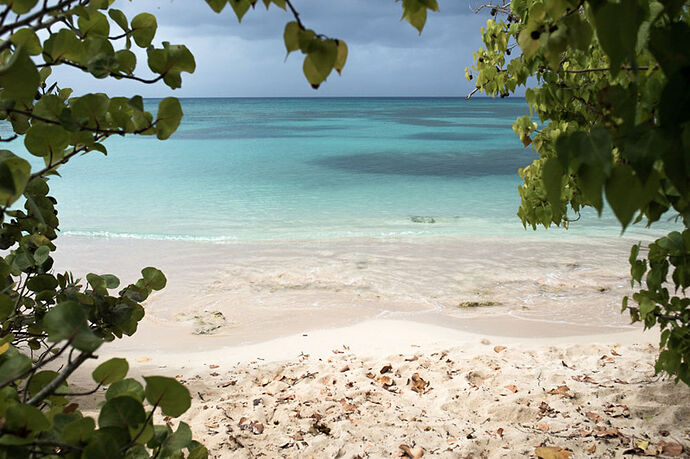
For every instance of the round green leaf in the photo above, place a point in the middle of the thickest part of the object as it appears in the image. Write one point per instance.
(123, 412)
(110, 371)
(168, 118)
(144, 27)
(168, 394)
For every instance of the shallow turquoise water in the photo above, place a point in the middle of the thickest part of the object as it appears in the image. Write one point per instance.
(258, 169)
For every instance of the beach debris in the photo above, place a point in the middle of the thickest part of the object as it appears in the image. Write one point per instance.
(254, 427)
(562, 390)
(545, 411)
(594, 417)
(345, 368)
(671, 448)
(386, 369)
(584, 378)
(511, 387)
(603, 432)
(143, 359)
(337, 351)
(412, 453)
(478, 304)
(419, 385)
(552, 452)
(213, 367)
(348, 407)
(499, 349)
(412, 359)
(617, 411)
(318, 428)
(386, 381)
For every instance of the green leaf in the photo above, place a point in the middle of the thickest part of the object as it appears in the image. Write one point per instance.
(14, 176)
(96, 25)
(119, 18)
(110, 371)
(27, 39)
(23, 418)
(42, 282)
(47, 141)
(12, 364)
(341, 56)
(123, 412)
(153, 279)
(414, 12)
(67, 321)
(126, 61)
(168, 394)
(170, 61)
(22, 6)
(78, 431)
(110, 281)
(144, 28)
(617, 25)
(240, 7)
(217, 5)
(626, 195)
(320, 61)
(552, 177)
(19, 78)
(291, 36)
(6, 308)
(63, 45)
(127, 387)
(42, 379)
(168, 117)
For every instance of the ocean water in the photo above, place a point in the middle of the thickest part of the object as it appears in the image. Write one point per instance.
(271, 169)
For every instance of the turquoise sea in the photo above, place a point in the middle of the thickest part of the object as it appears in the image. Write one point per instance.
(266, 169)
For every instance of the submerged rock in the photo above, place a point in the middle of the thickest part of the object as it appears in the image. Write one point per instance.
(422, 219)
(205, 322)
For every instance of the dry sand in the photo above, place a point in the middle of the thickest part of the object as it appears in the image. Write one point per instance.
(371, 389)
(358, 349)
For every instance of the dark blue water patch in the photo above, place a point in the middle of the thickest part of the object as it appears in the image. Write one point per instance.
(253, 132)
(498, 162)
(451, 136)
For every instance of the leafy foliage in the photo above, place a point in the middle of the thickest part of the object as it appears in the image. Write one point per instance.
(48, 318)
(612, 94)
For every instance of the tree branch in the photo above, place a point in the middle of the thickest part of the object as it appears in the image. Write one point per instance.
(112, 74)
(658, 314)
(295, 14)
(61, 378)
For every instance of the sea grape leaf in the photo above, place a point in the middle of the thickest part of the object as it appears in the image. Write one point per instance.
(27, 39)
(167, 393)
(217, 5)
(14, 176)
(19, 78)
(617, 25)
(110, 371)
(68, 321)
(124, 412)
(291, 36)
(144, 28)
(168, 117)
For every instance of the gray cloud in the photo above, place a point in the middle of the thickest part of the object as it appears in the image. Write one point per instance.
(387, 56)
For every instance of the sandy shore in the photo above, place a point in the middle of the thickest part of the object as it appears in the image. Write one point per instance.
(367, 389)
(376, 349)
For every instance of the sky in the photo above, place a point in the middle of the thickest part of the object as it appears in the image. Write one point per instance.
(387, 56)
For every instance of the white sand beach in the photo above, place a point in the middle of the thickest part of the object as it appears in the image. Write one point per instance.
(400, 348)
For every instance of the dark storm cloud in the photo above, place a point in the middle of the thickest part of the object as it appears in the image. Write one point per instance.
(387, 56)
